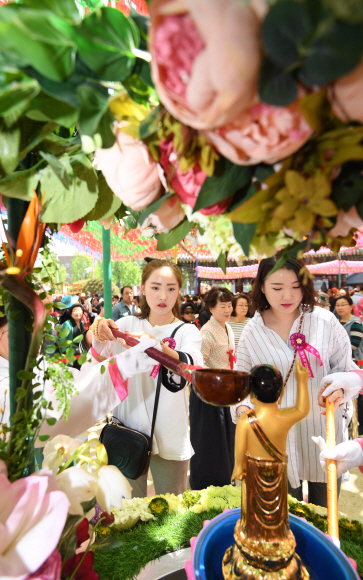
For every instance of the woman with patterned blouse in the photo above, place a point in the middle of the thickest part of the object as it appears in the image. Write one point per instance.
(211, 428)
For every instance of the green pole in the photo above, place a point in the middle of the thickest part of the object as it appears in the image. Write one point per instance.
(107, 286)
(19, 338)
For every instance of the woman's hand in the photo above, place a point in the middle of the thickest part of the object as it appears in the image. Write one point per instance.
(340, 387)
(104, 331)
(336, 397)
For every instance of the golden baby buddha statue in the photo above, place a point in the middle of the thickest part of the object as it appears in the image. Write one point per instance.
(265, 545)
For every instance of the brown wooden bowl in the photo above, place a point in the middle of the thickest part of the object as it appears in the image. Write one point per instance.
(221, 387)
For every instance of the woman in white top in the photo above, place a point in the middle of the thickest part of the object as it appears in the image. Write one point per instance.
(284, 306)
(171, 451)
(239, 318)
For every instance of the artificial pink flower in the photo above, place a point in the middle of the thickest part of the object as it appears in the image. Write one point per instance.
(346, 220)
(32, 518)
(76, 226)
(130, 171)
(346, 96)
(186, 185)
(263, 133)
(169, 215)
(50, 570)
(205, 58)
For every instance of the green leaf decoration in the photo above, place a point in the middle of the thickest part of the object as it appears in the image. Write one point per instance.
(9, 147)
(37, 37)
(74, 203)
(51, 421)
(43, 437)
(284, 28)
(150, 124)
(60, 306)
(46, 108)
(78, 339)
(276, 87)
(66, 9)
(170, 239)
(222, 261)
(137, 89)
(58, 168)
(333, 55)
(105, 200)
(95, 116)
(244, 234)
(21, 183)
(105, 41)
(153, 207)
(218, 187)
(109, 542)
(15, 98)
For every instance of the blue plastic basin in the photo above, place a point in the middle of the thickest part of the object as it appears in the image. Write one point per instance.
(323, 560)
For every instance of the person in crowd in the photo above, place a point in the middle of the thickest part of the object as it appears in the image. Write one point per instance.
(137, 304)
(87, 302)
(332, 297)
(211, 429)
(357, 294)
(239, 318)
(343, 292)
(171, 451)
(323, 300)
(354, 327)
(96, 306)
(204, 314)
(126, 306)
(196, 303)
(187, 312)
(75, 326)
(285, 305)
(115, 299)
(352, 324)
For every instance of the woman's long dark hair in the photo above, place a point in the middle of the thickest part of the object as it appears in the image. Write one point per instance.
(259, 300)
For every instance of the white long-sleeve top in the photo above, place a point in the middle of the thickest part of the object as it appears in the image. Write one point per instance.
(171, 438)
(261, 345)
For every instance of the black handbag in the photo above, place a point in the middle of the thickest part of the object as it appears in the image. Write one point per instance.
(130, 450)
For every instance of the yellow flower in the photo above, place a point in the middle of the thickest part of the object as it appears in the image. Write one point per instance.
(301, 200)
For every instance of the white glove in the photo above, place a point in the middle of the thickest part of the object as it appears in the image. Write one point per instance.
(350, 382)
(348, 454)
(135, 361)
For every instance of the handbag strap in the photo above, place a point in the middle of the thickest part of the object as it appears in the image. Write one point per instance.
(157, 394)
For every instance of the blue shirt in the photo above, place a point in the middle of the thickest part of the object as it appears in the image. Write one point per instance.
(121, 309)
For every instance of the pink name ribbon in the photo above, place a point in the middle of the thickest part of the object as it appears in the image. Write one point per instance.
(170, 342)
(299, 343)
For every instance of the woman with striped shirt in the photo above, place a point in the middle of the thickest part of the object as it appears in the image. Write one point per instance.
(239, 319)
(352, 324)
(285, 306)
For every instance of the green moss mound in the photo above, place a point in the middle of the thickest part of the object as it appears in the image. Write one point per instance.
(149, 541)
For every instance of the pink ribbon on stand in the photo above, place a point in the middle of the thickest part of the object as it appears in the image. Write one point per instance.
(298, 342)
(170, 342)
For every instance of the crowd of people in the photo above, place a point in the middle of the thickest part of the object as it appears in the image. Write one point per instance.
(214, 330)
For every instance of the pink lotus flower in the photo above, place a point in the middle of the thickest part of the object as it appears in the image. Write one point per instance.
(32, 517)
(346, 96)
(169, 215)
(186, 185)
(262, 134)
(205, 58)
(130, 171)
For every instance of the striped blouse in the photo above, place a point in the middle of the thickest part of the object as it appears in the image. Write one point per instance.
(237, 328)
(262, 345)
